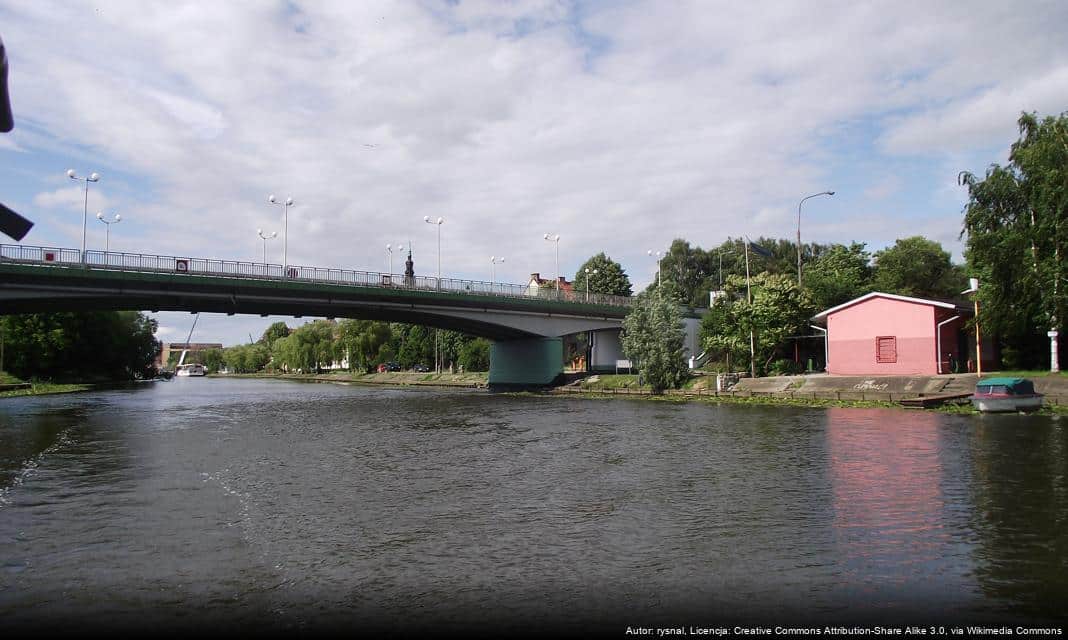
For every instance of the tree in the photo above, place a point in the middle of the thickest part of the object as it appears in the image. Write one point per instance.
(361, 343)
(104, 345)
(610, 278)
(214, 359)
(275, 331)
(839, 275)
(475, 355)
(1016, 220)
(917, 267)
(653, 338)
(778, 310)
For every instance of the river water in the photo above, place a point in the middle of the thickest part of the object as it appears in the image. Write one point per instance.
(271, 505)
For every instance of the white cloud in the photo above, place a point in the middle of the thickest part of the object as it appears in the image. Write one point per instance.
(620, 126)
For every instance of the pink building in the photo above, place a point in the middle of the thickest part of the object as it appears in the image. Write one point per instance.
(886, 334)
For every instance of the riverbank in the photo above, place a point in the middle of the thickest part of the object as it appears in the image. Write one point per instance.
(14, 390)
(477, 380)
(822, 390)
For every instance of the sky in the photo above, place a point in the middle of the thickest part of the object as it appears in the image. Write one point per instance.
(618, 125)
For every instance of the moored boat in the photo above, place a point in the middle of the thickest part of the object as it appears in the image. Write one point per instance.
(192, 369)
(1006, 394)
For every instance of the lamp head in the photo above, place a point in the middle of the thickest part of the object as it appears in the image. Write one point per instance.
(93, 177)
(274, 234)
(440, 220)
(71, 174)
(271, 199)
(289, 201)
(99, 215)
(259, 232)
(830, 193)
(118, 217)
(426, 218)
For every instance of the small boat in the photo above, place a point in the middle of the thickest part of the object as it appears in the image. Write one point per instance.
(1006, 394)
(192, 369)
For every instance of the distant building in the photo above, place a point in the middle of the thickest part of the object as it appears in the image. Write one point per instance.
(537, 283)
(887, 334)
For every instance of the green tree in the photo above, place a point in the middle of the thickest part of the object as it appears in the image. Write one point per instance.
(917, 267)
(1016, 220)
(653, 338)
(275, 331)
(475, 355)
(839, 275)
(776, 311)
(214, 360)
(96, 345)
(361, 342)
(609, 279)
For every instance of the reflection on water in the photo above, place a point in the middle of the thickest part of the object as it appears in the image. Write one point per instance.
(276, 505)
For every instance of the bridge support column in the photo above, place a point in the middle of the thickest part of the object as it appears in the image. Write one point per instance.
(605, 350)
(526, 362)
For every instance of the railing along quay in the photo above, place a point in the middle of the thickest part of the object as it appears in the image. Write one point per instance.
(211, 267)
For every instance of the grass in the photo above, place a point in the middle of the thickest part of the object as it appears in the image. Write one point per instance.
(1025, 374)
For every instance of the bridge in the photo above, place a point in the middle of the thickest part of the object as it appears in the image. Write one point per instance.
(525, 325)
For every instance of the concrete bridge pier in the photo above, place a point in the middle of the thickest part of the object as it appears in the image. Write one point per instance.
(525, 362)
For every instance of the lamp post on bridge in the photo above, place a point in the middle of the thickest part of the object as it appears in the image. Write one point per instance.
(107, 235)
(493, 271)
(556, 280)
(437, 334)
(389, 250)
(588, 272)
(93, 177)
(273, 235)
(285, 230)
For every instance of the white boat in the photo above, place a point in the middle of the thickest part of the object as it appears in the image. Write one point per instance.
(193, 369)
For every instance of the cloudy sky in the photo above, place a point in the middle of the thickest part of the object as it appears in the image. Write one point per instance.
(619, 125)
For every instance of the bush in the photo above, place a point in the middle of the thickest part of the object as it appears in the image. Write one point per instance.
(785, 367)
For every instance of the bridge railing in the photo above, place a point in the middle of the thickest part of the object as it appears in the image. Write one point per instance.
(147, 263)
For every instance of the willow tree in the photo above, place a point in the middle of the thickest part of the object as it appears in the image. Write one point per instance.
(1016, 221)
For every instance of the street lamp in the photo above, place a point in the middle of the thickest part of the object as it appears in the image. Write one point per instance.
(588, 272)
(658, 256)
(437, 339)
(973, 289)
(93, 177)
(438, 222)
(285, 229)
(107, 236)
(493, 271)
(721, 252)
(556, 281)
(389, 250)
(273, 235)
(822, 193)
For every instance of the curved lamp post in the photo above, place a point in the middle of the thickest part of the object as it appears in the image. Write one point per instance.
(588, 272)
(273, 235)
(107, 236)
(822, 193)
(658, 255)
(285, 228)
(493, 271)
(93, 177)
(556, 282)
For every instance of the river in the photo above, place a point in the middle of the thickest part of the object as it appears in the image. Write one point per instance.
(280, 506)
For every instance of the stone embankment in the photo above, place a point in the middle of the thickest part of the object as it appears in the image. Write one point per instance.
(891, 389)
